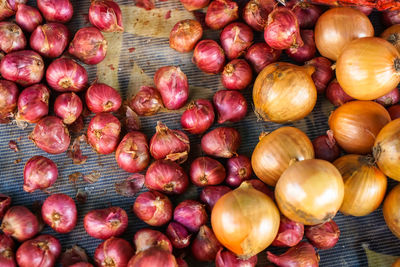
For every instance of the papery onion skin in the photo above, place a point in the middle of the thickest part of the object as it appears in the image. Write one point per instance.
(239, 170)
(105, 223)
(303, 254)
(39, 173)
(326, 147)
(390, 98)
(335, 94)
(72, 255)
(237, 75)
(198, 117)
(337, 27)
(20, 223)
(261, 55)
(226, 258)
(307, 14)
(364, 184)
(153, 257)
(7, 256)
(220, 13)
(178, 234)
(59, 212)
(235, 39)
(277, 150)
(191, 214)
(11, 36)
(68, 107)
(368, 68)
(210, 194)
(147, 101)
(8, 98)
(113, 252)
(290, 233)
(102, 98)
(356, 124)
(256, 12)
(103, 133)
(153, 208)
(132, 154)
(209, 56)
(323, 236)
(230, 105)
(5, 10)
(394, 111)
(221, 142)
(284, 82)
(33, 103)
(147, 238)
(235, 233)
(310, 191)
(206, 171)
(56, 10)
(391, 210)
(323, 72)
(5, 203)
(106, 16)
(305, 52)
(50, 40)
(65, 75)
(185, 35)
(392, 35)
(205, 245)
(191, 5)
(28, 17)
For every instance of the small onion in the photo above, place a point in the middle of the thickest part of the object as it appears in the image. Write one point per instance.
(39, 173)
(356, 124)
(239, 170)
(114, 252)
(9, 98)
(68, 107)
(261, 55)
(56, 10)
(392, 35)
(237, 75)
(198, 117)
(89, 46)
(235, 39)
(323, 236)
(65, 74)
(290, 233)
(147, 238)
(303, 254)
(305, 52)
(209, 56)
(132, 154)
(336, 95)
(20, 223)
(220, 13)
(390, 17)
(11, 37)
(191, 214)
(154, 256)
(226, 258)
(41, 251)
(194, 4)
(394, 111)
(103, 133)
(256, 12)
(106, 16)
(147, 101)
(59, 212)
(102, 98)
(391, 210)
(210, 194)
(5, 203)
(276, 151)
(230, 105)
(221, 142)
(260, 186)
(326, 147)
(153, 208)
(205, 245)
(230, 217)
(105, 223)
(33, 103)
(323, 72)
(185, 35)
(307, 14)
(310, 191)
(50, 40)
(5, 10)
(390, 98)
(206, 171)
(178, 234)
(28, 17)
(7, 247)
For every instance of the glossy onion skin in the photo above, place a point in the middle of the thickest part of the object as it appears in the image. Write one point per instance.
(391, 210)
(132, 153)
(56, 10)
(356, 124)
(106, 16)
(103, 133)
(185, 35)
(337, 27)
(299, 191)
(392, 35)
(277, 150)
(59, 212)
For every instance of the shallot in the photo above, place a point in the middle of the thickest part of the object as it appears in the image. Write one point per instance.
(105, 223)
(198, 117)
(59, 212)
(64, 74)
(39, 173)
(11, 37)
(153, 208)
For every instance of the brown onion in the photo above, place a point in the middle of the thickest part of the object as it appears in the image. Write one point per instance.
(256, 12)
(178, 234)
(7, 256)
(260, 186)
(284, 83)
(305, 52)
(198, 117)
(89, 46)
(290, 233)
(42, 251)
(5, 203)
(8, 99)
(185, 35)
(105, 223)
(153, 257)
(237, 75)
(191, 214)
(205, 245)
(336, 95)
(65, 74)
(206, 171)
(326, 147)
(147, 238)
(323, 72)
(11, 36)
(114, 252)
(33, 103)
(221, 142)
(226, 258)
(392, 35)
(147, 101)
(356, 124)
(209, 56)
(220, 13)
(394, 111)
(56, 10)
(310, 191)
(106, 16)
(235, 39)
(390, 98)
(39, 173)
(194, 4)
(132, 153)
(323, 236)
(20, 223)
(59, 212)
(103, 133)
(28, 17)
(50, 40)
(102, 98)
(261, 55)
(303, 254)
(276, 151)
(391, 210)
(153, 208)
(68, 107)
(230, 105)
(337, 27)
(210, 194)
(239, 170)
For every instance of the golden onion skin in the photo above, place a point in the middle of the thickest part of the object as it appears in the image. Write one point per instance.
(391, 210)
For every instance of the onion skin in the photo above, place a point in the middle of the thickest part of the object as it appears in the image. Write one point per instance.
(301, 187)
(39, 173)
(221, 142)
(323, 236)
(326, 148)
(191, 214)
(396, 263)
(24, 67)
(277, 150)
(391, 17)
(235, 233)
(237, 75)
(103, 133)
(178, 234)
(11, 36)
(394, 111)
(226, 258)
(210, 194)
(113, 252)
(147, 238)
(205, 245)
(68, 106)
(306, 14)
(41, 251)
(260, 186)
(153, 257)
(239, 170)
(5, 10)
(50, 40)
(256, 12)
(290, 233)
(28, 17)
(8, 98)
(288, 83)
(391, 211)
(147, 101)
(235, 39)
(206, 171)
(305, 52)
(364, 185)
(208, 56)
(5, 203)
(102, 98)
(301, 255)
(230, 105)
(106, 223)
(392, 35)
(261, 55)
(89, 46)
(191, 5)
(185, 35)
(220, 13)
(198, 117)
(323, 72)
(7, 256)
(20, 223)
(33, 103)
(132, 153)
(56, 10)
(390, 98)
(356, 124)
(64, 75)
(153, 208)
(73, 255)
(106, 16)
(346, 24)
(59, 212)
(336, 95)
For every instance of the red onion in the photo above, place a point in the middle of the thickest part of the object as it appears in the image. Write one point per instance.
(169, 144)
(33, 103)
(306, 13)
(364, 9)
(51, 135)
(114, 252)
(323, 73)
(28, 17)
(220, 13)
(8, 98)
(130, 186)
(394, 111)
(103, 133)
(237, 75)
(391, 17)
(106, 16)
(260, 55)
(205, 246)
(210, 194)
(39, 173)
(282, 31)
(153, 257)
(301, 255)
(221, 142)
(260, 186)
(89, 46)
(206, 171)
(323, 236)
(185, 34)
(209, 56)
(326, 148)
(73, 255)
(147, 101)
(105, 223)
(147, 238)
(56, 10)
(102, 98)
(50, 40)
(390, 98)
(59, 212)
(68, 107)
(81, 264)
(166, 176)
(153, 208)
(239, 170)
(11, 37)
(230, 105)
(336, 95)
(7, 246)
(191, 214)
(20, 223)
(64, 74)
(290, 233)
(198, 117)
(173, 86)
(178, 235)
(132, 153)
(305, 52)
(5, 203)
(181, 262)
(225, 258)
(194, 4)
(255, 13)
(5, 10)
(42, 251)
(24, 67)
(235, 39)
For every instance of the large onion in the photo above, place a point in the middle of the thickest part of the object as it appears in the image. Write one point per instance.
(364, 184)
(310, 191)
(245, 221)
(284, 92)
(392, 35)
(277, 150)
(337, 27)
(391, 210)
(356, 124)
(368, 68)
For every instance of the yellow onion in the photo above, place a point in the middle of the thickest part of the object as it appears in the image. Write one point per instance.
(310, 191)
(368, 68)
(245, 221)
(364, 184)
(277, 150)
(356, 124)
(284, 92)
(391, 210)
(386, 150)
(392, 35)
